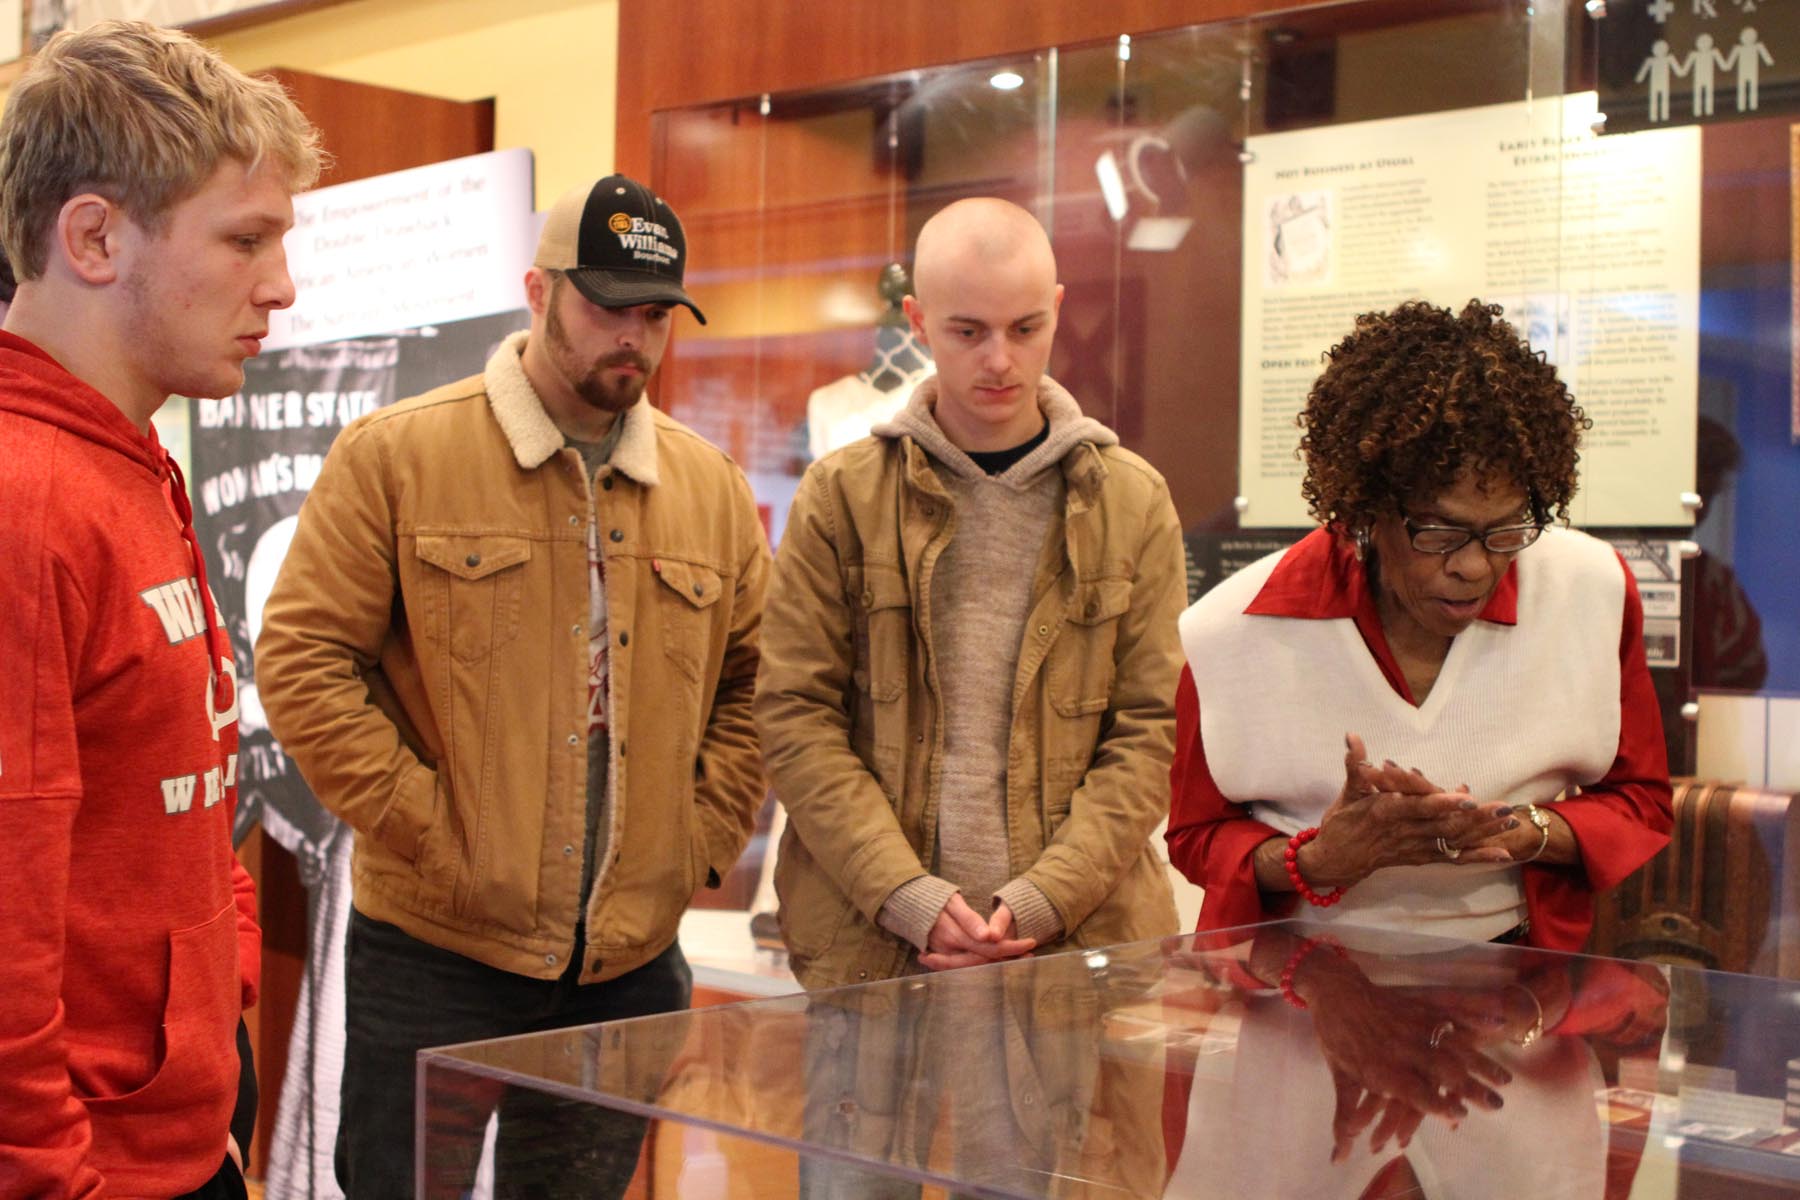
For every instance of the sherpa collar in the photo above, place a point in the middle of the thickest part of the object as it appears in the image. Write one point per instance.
(534, 436)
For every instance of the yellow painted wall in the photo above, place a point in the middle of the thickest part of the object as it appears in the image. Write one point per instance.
(551, 66)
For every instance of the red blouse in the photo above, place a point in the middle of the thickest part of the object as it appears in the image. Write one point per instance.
(1619, 823)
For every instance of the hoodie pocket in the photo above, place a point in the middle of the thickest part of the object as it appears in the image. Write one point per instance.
(199, 1020)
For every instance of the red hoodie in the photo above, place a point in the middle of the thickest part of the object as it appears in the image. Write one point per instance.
(128, 939)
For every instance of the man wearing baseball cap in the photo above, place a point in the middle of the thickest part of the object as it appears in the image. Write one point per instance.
(513, 646)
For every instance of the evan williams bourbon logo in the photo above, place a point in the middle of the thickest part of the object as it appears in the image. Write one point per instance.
(647, 240)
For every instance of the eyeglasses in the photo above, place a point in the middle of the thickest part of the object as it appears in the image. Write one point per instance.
(1448, 539)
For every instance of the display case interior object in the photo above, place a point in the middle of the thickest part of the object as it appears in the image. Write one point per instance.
(1245, 1064)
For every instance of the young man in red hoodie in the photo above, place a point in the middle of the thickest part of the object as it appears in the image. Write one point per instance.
(144, 189)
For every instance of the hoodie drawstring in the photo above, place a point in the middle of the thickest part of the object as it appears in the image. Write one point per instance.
(184, 510)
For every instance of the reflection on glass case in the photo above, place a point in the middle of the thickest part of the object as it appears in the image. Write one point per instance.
(1257, 1062)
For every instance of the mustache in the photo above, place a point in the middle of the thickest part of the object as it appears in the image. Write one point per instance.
(623, 358)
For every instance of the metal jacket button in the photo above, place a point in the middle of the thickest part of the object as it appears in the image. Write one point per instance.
(474, 560)
(618, 535)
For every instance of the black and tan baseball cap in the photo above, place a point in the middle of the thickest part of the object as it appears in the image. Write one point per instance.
(619, 243)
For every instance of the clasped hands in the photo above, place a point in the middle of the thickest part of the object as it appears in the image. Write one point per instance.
(961, 938)
(1398, 1055)
(1388, 816)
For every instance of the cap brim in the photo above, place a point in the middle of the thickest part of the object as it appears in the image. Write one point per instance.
(617, 289)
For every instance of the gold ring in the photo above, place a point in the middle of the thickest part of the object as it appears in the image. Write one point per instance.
(1444, 1029)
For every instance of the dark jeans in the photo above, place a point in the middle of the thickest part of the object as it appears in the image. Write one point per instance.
(402, 996)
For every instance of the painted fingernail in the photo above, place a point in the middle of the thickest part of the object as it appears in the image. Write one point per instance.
(1505, 810)
(1512, 824)
(1466, 805)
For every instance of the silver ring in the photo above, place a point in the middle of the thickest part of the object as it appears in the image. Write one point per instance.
(1448, 851)
(1444, 1029)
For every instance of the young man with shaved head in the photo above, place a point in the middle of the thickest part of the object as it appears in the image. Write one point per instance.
(965, 698)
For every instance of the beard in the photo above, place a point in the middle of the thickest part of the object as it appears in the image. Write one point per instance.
(588, 380)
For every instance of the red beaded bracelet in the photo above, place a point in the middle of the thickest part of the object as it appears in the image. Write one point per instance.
(1292, 967)
(1291, 860)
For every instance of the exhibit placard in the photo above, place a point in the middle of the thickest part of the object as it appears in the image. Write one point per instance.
(1590, 244)
(427, 246)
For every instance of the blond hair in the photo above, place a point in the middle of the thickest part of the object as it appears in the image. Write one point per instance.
(141, 115)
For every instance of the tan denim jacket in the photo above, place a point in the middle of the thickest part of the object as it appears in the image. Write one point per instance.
(424, 659)
(851, 728)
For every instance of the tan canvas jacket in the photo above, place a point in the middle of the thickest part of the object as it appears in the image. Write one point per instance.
(424, 659)
(851, 729)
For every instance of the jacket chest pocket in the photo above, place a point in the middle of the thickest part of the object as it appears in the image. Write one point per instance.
(881, 630)
(471, 585)
(687, 595)
(1081, 668)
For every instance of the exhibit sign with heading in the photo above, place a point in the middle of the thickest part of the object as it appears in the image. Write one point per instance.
(426, 246)
(1591, 245)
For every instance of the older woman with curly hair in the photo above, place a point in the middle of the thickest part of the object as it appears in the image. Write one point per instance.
(1444, 622)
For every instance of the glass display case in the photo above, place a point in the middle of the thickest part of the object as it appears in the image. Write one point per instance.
(1140, 155)
(1223, 198)
(1257, 1062)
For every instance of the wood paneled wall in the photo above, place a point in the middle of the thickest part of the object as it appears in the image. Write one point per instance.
(679, 53)
(371, 130)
